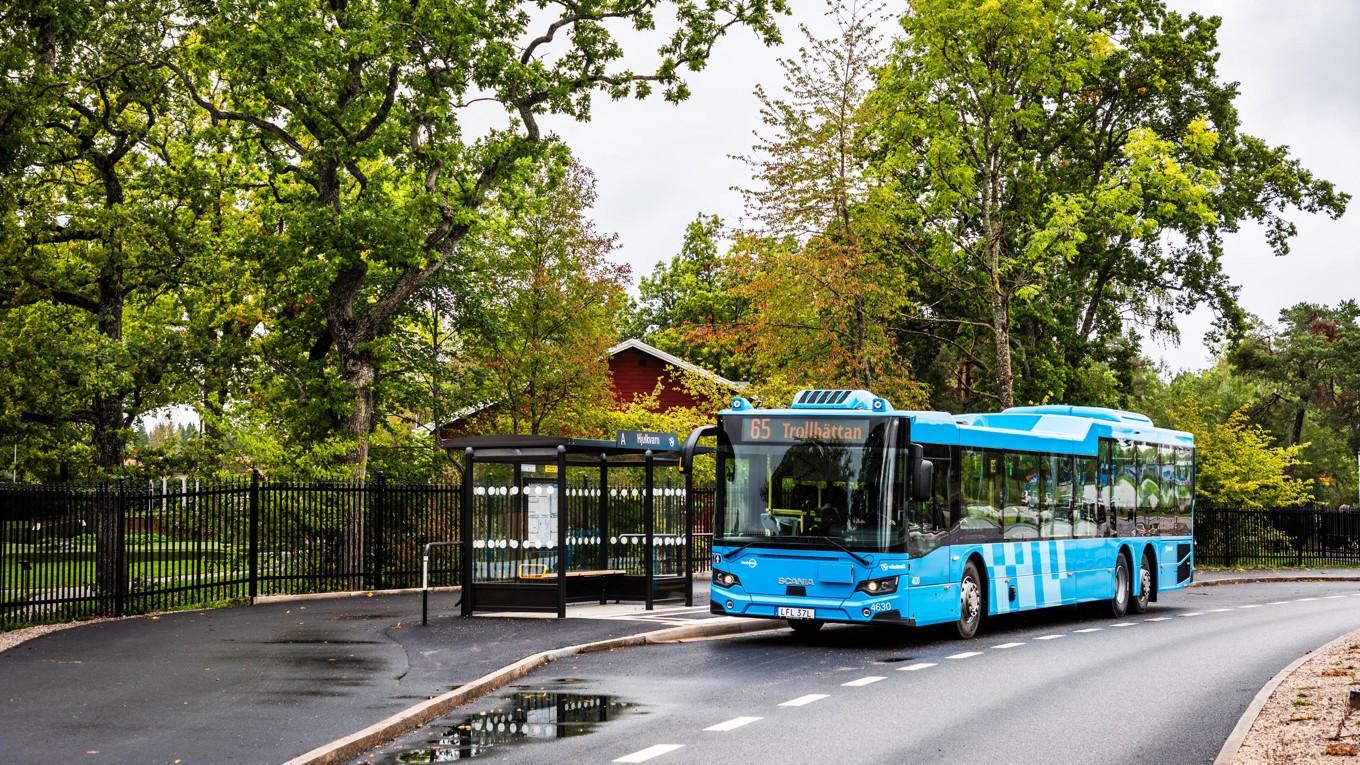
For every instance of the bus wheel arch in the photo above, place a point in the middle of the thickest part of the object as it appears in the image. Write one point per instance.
(1123, 583)
(1146, 581)
(967, 626)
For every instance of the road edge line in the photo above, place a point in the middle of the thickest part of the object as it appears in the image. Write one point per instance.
(1258, 702)
(414, 716)
(1269, 579)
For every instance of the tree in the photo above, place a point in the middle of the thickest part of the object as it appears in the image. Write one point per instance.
(1057, 168)
(378, 177)
(551, 310)
(822, 304)
(105, 212)
(1310, 388)
(1238, 465)
(691, 307)
(1308, 364)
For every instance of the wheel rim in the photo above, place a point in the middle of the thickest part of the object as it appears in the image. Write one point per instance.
(1121, 576)
(1145, 584)
(970, 600)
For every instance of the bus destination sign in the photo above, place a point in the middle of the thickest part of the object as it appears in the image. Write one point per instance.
(792, 430)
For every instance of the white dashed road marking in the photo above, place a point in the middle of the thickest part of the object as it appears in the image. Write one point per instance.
(1218, 610)
(1158, 619)
(1089, 629)
(1050, 637)
(1253, 605)
(1008, 645)
(1333, 597)
(965, 655)
(803, 701)
(1278, 602)
(915, 667)
(1304, 600)
(1124, 624)
(650, 752)
(1194, 613)
(863, 681)
(733, 724)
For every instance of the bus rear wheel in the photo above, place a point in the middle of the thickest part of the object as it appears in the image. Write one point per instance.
(1119, 604)
(1139, 604)
(805, 626)
(971, 602)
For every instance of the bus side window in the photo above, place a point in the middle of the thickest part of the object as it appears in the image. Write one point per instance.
(981, 474)
(1149, 489)
(1084, 500)
(1057, 499)
(1125, 495)
(1105, 490)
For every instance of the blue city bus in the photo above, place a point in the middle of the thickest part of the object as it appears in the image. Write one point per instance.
(842, 509)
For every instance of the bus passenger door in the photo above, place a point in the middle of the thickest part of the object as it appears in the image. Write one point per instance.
(932, 595)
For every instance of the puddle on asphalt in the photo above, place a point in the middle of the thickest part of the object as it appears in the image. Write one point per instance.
(893, 659)
(527, 714)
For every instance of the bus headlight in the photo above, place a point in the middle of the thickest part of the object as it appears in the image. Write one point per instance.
(724, 579)
(885, 586)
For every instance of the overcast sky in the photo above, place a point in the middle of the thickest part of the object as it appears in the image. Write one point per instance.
(1298, 64)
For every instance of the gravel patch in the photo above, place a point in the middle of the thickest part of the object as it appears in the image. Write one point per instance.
(1308, 718)
(13, 638)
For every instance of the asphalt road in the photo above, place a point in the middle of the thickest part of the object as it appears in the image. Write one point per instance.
(1062, 686)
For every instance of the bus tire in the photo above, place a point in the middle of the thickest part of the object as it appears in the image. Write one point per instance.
(805, 626)
(972, 601)
(1119, 604)
(1139, 605)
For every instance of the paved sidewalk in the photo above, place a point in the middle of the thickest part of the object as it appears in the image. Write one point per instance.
(1228, 576)
(265, 683)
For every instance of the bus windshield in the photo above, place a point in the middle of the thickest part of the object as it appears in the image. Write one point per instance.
(809, 481)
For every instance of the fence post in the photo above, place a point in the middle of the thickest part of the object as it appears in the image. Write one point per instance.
(254, 542)
(379, 509)
(120, 552)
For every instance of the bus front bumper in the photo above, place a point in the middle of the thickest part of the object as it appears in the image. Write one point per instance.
(854, 611)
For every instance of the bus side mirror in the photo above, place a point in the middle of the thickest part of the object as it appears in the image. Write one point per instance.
(922, 474)
(923, 481)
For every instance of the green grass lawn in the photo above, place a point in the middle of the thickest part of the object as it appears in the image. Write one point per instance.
(58, 566)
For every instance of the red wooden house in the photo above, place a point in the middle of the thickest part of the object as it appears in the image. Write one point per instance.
(635, 368)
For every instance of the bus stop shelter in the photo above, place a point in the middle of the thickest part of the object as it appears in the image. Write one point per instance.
(548, 521)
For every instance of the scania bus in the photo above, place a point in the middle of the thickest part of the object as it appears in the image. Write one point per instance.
(842, 509)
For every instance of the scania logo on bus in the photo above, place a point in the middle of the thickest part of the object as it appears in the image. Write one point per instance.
(796, 581)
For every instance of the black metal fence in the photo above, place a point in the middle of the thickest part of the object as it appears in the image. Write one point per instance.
(1304, 537)
(70, 552)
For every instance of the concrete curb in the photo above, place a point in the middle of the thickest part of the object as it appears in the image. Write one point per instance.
(415, 716)
(1258, 702)
(1268, 579)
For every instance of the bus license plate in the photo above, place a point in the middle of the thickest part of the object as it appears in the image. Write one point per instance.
(797, 613)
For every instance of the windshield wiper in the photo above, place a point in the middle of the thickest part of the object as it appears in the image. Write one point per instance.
(837, 544)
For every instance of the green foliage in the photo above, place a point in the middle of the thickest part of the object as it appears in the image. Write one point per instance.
(691, 306)
(1056, 167)
(1238, 465)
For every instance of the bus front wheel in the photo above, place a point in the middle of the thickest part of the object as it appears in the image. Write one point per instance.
(972, 602)
(1119, 604)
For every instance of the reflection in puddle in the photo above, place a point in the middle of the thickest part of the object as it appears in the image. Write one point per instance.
(528, 714)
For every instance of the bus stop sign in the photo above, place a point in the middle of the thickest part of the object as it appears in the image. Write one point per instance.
(641, 439)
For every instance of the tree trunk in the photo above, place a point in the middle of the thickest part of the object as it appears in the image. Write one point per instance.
(1001, 332)
(357, 369)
